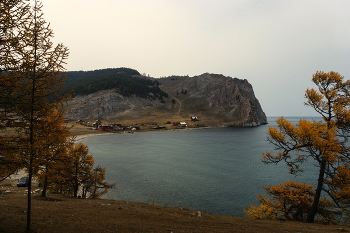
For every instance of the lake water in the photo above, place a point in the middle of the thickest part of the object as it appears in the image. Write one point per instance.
(214, 170)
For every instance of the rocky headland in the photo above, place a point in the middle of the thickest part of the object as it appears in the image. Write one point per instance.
(214, 99)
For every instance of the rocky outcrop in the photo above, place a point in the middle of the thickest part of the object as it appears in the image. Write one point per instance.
(230, 98)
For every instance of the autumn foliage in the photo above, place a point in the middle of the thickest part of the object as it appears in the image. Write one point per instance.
(73, 173)
(290, 201)
(32, 133)
(324, 143)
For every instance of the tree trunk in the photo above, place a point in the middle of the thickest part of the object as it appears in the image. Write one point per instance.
(29, 194)
(31, 127)
(313, 209)
(76, 185)
(84, 193)
(43, 194)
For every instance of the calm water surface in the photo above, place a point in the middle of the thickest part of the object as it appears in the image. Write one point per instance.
(216, 170)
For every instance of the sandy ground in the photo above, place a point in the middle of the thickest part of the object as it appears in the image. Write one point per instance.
(81, 137)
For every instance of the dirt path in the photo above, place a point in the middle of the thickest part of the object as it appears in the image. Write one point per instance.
(180, 103)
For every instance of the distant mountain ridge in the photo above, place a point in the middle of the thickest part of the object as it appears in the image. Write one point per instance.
(126, 81)
(227, 100)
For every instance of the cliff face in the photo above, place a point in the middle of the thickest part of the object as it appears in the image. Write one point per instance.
(230, 101)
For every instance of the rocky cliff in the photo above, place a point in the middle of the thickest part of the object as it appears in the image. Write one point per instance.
(230, 99)
(227, 100)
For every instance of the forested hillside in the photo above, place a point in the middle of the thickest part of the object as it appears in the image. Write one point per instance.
(126, 81)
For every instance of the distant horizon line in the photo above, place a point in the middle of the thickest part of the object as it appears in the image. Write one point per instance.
(294, 116)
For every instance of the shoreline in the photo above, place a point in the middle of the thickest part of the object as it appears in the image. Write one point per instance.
(88, 135)
(82, 133)
(83, 136)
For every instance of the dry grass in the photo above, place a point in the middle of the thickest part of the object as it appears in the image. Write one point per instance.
(58, 213)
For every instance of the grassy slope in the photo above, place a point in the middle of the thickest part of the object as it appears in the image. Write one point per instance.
(58, 213)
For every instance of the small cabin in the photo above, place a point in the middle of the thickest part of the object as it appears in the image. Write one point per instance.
(194, 118)
(104, 127)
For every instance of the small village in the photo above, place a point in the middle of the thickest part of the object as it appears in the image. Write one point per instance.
(130, 128)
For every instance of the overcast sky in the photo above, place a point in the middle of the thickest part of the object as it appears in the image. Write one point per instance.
(275, 45)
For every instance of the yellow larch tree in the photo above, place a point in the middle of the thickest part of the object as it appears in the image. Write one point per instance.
(55, 143)
(32, 80)
(290, 201)
(75, 171)
(96, 182)
(78, 168)
(323, 142)
(14, 14)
